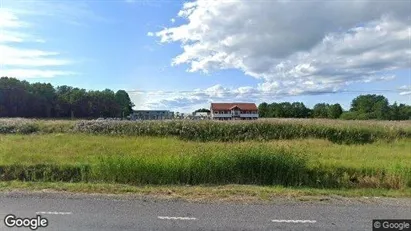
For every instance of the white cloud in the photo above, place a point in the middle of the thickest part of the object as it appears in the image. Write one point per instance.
(23, 52)
(34, 73)
(405, 93)
(19, 62)
(405, 90)
(193, 99)
(29, 57)
(295, 47)
(76, 13)
(172, 20)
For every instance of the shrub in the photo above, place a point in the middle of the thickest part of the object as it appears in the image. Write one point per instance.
(18, 126)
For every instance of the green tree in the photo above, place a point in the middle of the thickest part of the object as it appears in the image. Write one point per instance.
(124, 102)
(349, 115)
(299, 110)
(371, 107)
(284, 110)
(44, 99)
(202, 110)
(320, 110)
(14, 98)
(381, 110)
(334, 111)
(404, 112)
(263, 110)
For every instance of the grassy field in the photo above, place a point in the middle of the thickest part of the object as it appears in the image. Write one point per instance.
(88, 149)
(169, 161)
(352, 157)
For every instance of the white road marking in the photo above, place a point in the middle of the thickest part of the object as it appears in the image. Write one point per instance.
(55, 213)
(294, 221)
(177, 218)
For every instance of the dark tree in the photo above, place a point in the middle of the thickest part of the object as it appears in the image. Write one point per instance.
(40, 100)
(284, 110)
(335, 111)
(263, 110)
(320, 110)
(202, 110)
(363, 107)
(123, 100)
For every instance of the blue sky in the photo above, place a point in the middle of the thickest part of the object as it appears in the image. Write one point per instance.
(182, 56)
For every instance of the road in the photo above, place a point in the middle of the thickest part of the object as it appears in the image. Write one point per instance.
(96, 212)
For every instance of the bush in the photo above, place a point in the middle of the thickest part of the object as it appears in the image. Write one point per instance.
(18, 126)
(349, 115)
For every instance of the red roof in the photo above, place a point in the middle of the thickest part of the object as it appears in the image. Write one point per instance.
(229, 106)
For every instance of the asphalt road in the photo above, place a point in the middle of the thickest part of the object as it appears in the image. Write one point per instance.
(87, 212)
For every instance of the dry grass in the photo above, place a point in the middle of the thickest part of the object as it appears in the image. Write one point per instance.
(204, 193)
(337, 131)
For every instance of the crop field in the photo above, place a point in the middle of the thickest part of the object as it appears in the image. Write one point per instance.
(299, 153)
(335, 131)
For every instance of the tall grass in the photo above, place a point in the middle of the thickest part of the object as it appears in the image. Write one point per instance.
(260, 131)
(247, 166)
(45, 172)
(214, 131)
(166, 161)
(254, 166)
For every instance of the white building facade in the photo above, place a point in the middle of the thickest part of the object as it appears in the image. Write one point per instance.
(201, 115)
(234, 111)
(151, 115)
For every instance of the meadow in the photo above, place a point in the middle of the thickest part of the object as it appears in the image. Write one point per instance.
(328, 154)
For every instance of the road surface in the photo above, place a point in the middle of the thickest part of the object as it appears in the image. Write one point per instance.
(99, 213)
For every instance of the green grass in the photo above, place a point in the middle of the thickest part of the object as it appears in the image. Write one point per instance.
(237, 193)
(305, 155)
(86, 149)
(149, 160)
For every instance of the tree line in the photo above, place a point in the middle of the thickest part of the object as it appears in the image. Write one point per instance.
(42, 100)
(363, 107)
(202, 110)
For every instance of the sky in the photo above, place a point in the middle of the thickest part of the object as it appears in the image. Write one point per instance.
(183, 55)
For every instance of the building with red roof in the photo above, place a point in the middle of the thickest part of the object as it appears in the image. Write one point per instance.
(234, 111)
